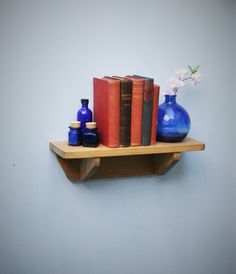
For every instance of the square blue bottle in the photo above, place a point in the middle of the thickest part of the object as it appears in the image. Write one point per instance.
(74, 135)
(91, 136)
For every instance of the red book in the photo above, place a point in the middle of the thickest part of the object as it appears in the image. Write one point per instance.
(136, 111)
(106, 109)
(154, 113)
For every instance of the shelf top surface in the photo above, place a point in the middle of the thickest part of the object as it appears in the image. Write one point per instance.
(65, 151)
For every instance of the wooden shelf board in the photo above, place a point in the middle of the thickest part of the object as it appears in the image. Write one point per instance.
(65, 151)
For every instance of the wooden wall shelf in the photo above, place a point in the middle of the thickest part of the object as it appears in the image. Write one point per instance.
(83, 163)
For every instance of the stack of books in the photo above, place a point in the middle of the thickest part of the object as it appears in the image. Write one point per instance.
(125, 109)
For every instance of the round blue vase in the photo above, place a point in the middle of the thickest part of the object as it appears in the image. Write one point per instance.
(173, 121)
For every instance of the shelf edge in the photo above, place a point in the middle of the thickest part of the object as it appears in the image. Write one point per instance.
(119, 152)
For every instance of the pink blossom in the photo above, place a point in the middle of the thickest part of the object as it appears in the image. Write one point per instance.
(169, 91)
(196, 78)
(181, 76)
(182, 73)
(175, 83)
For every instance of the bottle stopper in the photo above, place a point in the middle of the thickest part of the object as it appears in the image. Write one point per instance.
(91, 125)
(75, 124)
(83, 100)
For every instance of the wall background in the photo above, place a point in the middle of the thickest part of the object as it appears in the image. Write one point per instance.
(183, 222)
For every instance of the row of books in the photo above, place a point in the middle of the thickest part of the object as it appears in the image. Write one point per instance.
(125, 109)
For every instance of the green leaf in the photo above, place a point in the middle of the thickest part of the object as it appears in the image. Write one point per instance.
(195, 69)
(191, 69)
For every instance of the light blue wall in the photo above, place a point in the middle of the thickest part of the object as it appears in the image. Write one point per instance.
(181, 223)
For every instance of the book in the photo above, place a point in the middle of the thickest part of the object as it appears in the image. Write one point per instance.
(156, 93)
(106, 96)
(147, 109)
(136, 111)
(125, 110)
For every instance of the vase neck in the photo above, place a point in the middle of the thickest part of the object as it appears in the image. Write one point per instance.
(170, 98)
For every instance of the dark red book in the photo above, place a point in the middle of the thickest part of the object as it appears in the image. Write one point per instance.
(156, 93)
(106, 101)
(125, 110)
(136, 111)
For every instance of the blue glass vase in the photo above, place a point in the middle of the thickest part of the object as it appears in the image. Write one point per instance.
(173, 121)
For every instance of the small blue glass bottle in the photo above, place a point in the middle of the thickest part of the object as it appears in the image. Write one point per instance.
(91, 136)
(84, 114)
(74, 135)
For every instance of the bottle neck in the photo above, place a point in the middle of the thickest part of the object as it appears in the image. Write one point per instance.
(84, 105)
(74, 129)
(91, 129)
(170, 99)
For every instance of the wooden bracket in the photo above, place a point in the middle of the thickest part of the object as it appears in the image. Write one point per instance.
(164, 162)
(88, 168)
(79, 169)
(111, 167)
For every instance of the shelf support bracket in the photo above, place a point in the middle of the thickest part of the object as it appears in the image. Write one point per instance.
(164, 162)
(88, 167)
(79, 169)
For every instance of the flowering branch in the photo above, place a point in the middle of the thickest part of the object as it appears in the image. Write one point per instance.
(177, 81)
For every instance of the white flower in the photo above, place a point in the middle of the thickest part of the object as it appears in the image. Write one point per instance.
(196, 78)
(182, 73)
(175, 83)
(169, 91)
(181, 76)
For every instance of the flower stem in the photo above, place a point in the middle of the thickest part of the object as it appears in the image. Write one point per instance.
(185, 79)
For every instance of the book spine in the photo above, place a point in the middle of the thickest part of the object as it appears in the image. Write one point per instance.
(136, 113)
(114, 114)
(107, 111)
(98, 84)
(125, 112)
(147, 112)
(156, 92)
